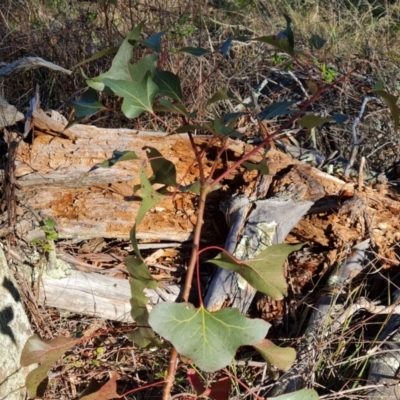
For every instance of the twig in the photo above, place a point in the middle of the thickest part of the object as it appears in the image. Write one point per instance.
(361, 173)
(169, 382)
(363, 304)
(348, 391)
(299, 83)
(355, 138)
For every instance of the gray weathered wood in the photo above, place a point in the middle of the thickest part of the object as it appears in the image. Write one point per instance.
(9, 115)
(97, 295)
(14, 332)
(267, 220)
(385, 365)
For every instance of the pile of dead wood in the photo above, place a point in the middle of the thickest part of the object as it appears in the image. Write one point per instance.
(53, 178)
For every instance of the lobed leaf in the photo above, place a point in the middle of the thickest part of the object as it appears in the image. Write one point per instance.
(167, 106)
(46, 353)
(138, 71)
(168, 84)
(164, 171)
(264, 272)
(279, 357)
(87, 104)
(140, 279)
(209, 339)
(149, 199)
(138, 96)
(120, 65)
(154, 41)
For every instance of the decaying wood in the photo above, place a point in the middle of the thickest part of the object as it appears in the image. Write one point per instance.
(53, 173)
(56, 178)
(9, 115)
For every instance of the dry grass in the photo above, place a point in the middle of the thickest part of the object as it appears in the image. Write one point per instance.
(362, 35)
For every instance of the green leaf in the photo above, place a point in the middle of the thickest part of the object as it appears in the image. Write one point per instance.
(194, 51)
(120, 66)
(222, 94)
(138, 97)
(164, 171)
(73, 122)
(311, 121)
(225, 46)
(168, 84)
(50, 223)
(154, 41)
(99, 54)
(209, 339)
(312, 87)
(149, 199)
(280, 42)
(118, 156)
(222, 130)
(391, 102)
(87, 104)
(45, 353)
(276, 109)
(140, 279)
(316, 41)
(167, 106)
(289, 33)
(304, 394)
(139, 70)
(339, 118)
(138, 270)
(279, 357)
(378, 86)
(239, 37)
(194, 188)
(229, 118)
(189, 128)
(262, 167)
(264, 272)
